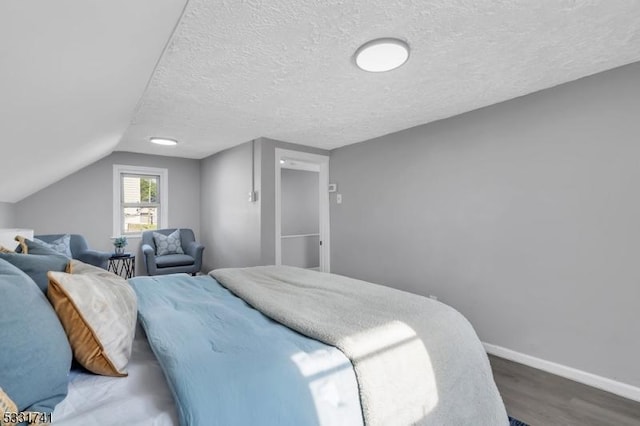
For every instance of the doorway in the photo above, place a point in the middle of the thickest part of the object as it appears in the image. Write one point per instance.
(302, 210)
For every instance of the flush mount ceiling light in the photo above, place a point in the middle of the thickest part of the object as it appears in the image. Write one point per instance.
(164, 141)
(383, 54)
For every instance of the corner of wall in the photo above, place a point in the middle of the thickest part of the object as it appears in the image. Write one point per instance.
(7, 215)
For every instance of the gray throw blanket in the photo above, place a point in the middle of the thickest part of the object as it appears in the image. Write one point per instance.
(417, 361)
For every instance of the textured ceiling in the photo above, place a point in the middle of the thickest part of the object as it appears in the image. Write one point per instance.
(238, 70)
(72, 71)
(71, 75)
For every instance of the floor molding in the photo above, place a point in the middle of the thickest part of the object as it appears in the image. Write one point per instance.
(609, 385)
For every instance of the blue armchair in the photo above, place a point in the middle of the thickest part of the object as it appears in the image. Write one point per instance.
(80, 250)
(190, 262)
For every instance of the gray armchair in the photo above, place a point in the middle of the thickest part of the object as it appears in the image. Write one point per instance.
(190, 262)
(80, 250)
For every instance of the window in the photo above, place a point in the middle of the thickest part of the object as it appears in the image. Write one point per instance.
(139, 199)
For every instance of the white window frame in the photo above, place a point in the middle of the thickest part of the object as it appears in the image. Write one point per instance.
(163, 195)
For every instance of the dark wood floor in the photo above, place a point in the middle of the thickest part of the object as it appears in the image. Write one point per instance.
(539, 399)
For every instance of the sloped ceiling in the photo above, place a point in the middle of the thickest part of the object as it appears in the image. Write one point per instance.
(72, 72)
(71, 75)
(283, 69)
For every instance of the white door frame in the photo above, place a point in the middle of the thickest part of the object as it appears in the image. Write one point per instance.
(322, 161)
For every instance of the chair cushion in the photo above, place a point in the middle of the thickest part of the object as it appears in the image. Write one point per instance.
(35, 357)
(174, 260)
(168, 244)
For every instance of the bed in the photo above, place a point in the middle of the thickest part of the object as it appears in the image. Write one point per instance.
(286, 346)
(141, 398)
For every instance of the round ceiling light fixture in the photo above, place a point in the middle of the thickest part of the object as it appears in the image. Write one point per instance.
(383, 54)
(164, 141)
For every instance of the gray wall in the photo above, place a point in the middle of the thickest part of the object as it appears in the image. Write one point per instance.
(83, 202)
(7, 215)
(235, 231)
(523, 215)
(230, 223)
(300, 202)
(301, 252)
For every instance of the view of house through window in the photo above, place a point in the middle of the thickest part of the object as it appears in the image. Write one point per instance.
(139, 199)
(140, 203)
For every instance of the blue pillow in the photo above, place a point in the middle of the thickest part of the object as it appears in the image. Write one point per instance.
(36, 266)
(35, 355)
(35, 246)
(61, 245)
(168, 244)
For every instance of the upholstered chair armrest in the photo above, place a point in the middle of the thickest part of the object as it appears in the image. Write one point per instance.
(95, 258)
(149, 255)
(195, 249)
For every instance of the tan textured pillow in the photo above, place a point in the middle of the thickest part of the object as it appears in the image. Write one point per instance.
(98, 312)
(11, 409)
(22, 243)
(77, 267)
(6, 406)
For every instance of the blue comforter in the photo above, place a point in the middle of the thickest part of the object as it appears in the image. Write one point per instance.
(227, 364)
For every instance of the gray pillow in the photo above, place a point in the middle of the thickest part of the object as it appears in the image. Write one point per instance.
(36, 266)
(36, 246)
(62, 245)
(35, 355)
(168, 244)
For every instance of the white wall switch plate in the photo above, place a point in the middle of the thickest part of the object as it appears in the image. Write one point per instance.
(333, 187)
(339, 198)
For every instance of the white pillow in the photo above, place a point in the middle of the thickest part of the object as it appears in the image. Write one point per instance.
(98, 312)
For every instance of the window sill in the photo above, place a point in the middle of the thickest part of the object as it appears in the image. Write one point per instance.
(133, 236)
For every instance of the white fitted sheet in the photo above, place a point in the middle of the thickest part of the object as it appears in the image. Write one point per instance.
(141, 398)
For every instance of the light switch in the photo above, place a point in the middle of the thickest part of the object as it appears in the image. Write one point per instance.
(339, 198)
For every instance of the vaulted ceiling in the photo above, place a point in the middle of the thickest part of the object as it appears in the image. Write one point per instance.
(71, 75)
(76, 76)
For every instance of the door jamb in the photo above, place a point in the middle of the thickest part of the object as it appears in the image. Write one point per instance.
(323, 187)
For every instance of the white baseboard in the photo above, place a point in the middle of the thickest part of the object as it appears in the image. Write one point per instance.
(609, 385)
